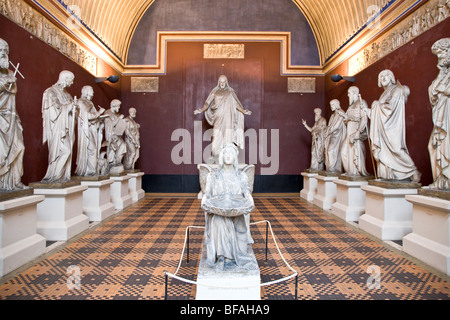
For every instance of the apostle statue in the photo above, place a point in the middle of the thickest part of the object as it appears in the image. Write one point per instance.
(132, 140)
(439, 94)
(317, 141)
(90, 134)
(59, 116)
(12, 146)
(114, 130)
(224, 112)
(387, 131)
(227, 200)
(334, 137)
(353, 148)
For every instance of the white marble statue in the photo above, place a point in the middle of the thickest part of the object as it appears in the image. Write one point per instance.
(132, 140)
(227, 200)
(90, 134)
(439, 94)
(59, 116)
(317, 141)
(224, 112)
(12, 147)
(353, 148)
(387, 131)
(114, 130)
(334, 137)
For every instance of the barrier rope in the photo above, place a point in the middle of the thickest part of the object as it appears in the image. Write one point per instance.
(186, 242)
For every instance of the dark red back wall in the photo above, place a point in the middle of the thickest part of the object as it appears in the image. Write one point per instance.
(186, 85)
(413, 65)
(41, 65)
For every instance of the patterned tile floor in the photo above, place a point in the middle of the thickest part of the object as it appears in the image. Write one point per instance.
(125, 257)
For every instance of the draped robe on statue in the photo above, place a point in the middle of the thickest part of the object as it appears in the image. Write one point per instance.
(439, 144)
(12, 147)
(333, 142)
(353, 148)
(388, 135)
(132, 143)
(57, 113)
(223, 115)
(226, 236)
(90, 135)
(318, 144)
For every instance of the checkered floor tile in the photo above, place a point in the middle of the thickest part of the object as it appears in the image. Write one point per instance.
(126, 256)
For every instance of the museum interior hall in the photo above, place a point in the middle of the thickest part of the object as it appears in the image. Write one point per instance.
(224, 150)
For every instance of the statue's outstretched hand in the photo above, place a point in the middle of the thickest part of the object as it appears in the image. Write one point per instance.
(197, 111)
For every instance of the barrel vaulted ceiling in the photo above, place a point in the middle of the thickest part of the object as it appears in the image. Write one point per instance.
(334, 23)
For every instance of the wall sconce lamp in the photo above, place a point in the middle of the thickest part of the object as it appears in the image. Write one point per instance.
(338, 77)
(112, 79)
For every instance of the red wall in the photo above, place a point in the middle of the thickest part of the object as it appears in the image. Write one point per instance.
(186, 85)
(41, 65)
(413, 65)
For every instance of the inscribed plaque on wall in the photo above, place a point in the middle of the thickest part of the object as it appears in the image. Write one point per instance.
(301, 85)
(144, 84)
(223, 51)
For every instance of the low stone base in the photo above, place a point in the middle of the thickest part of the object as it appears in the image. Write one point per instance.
(429, 240)
(326, 191)
(119, 192)
(19, 241)
(231, 276)
(60, 216)
(309, 186)
(97, 203)
(388, 215)
(12, 194)
(350, 199)
(135, 185)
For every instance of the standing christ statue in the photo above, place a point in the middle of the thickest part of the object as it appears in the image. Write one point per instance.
(225, 113)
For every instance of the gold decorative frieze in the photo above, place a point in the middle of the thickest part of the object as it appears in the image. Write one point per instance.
(144, 84)
(301, 85)
(223, 51)
(35, 23)
(425, 17)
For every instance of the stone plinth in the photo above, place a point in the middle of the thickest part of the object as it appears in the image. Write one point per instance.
(388, 215)
(60, 216)
(135, 186)
(19, 241)
(97, 203)
(429, 240)
(326, 190)
(237, 284)
(350, 199)
(120, 196)
(309, 186)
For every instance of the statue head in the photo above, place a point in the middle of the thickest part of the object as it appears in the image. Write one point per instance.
(317, 114)
(385, 78)
(335, 104)
(115, 105)
(441, 49)
(4, 52)
(65, 78)
(352, 93)
(132, 112)
(87, 92)
(229, 155)
(223, 82)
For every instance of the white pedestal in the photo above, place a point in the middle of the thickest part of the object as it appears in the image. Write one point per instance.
(135, 186)
(236, 285)
(326, 192)
(97, 203)
(388, 215)
(60, 216)
(430, 237)
(19, 242)
(350, 199)
(119, 192)
(309, 186)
